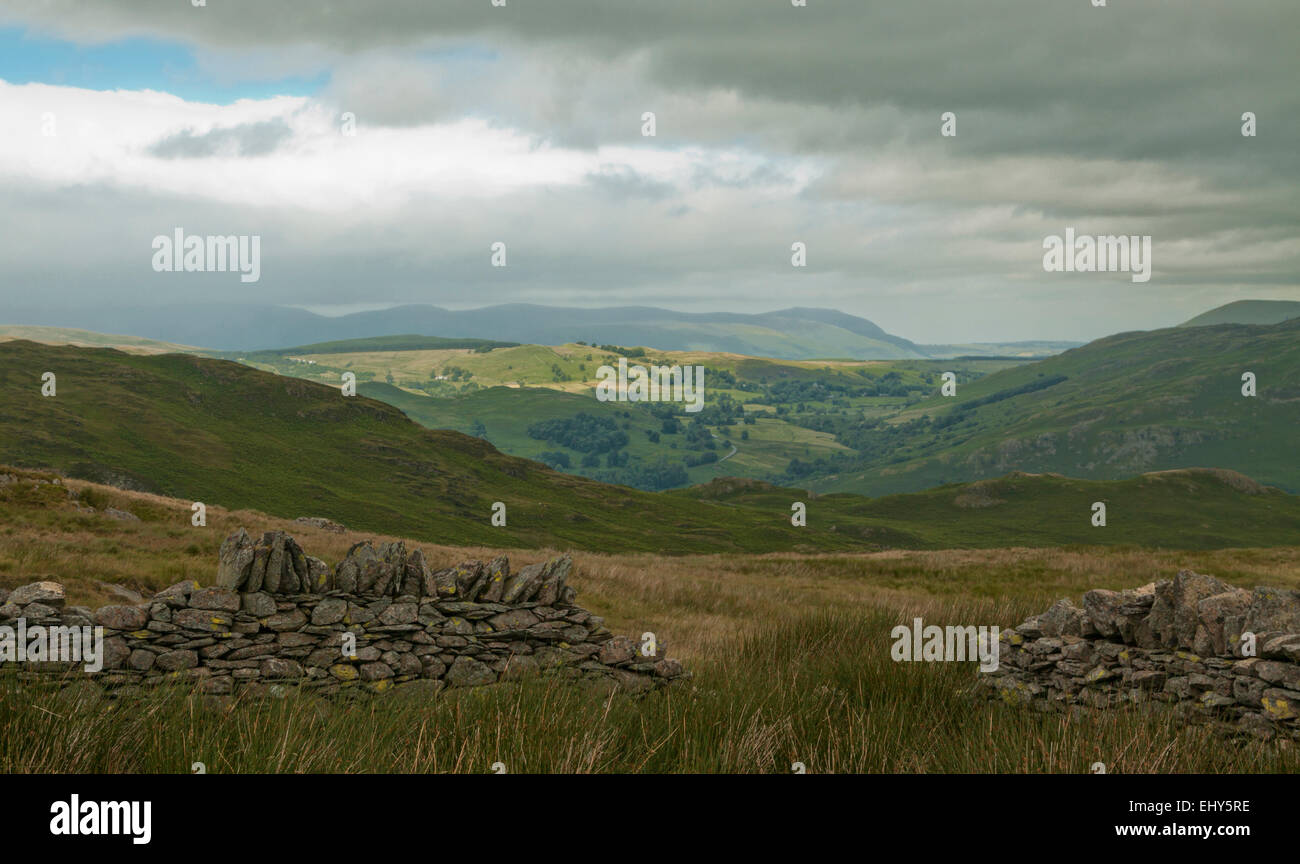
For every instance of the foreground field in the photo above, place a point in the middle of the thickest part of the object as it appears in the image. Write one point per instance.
(790, 655)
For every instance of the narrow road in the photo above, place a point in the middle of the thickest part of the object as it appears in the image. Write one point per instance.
(729, 455)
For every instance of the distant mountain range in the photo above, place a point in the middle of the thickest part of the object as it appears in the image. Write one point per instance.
(798, 333)
(788, 334)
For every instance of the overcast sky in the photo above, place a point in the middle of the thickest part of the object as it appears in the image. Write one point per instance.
(775, 124)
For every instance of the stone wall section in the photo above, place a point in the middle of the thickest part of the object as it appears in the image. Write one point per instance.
(277, 616)
(1176, 641)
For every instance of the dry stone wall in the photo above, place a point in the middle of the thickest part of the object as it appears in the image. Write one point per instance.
(382, 618)
(1178, 641)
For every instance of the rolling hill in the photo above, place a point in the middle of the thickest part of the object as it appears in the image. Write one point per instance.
(1119, 406)
(797, 333)
(222, 433)
(91, 339)
(1186, 509)
(214, 431)
(1248, 312)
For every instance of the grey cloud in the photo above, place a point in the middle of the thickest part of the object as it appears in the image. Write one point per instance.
(624, 182)
(1117, 119)
(247, 139)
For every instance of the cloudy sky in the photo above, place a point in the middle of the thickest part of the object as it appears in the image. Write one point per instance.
(124, 119)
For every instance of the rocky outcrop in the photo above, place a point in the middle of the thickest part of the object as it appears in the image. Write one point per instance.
(382, 618)
(1220, 654)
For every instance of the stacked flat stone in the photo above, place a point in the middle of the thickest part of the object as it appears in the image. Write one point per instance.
(277, 616)
(1177, 641)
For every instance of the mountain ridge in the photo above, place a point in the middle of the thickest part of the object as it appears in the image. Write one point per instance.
(795, 333)
(1247, 312)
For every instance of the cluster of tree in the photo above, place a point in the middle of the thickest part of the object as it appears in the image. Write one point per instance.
(835, 391)
(652, 476)
(618, 349)
(720, 409)
(698, 436)
(723, 379)
(557, 459)
(960, 410)
(582, 432)
(452, 373)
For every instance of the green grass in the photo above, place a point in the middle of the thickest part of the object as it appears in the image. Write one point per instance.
(1190, 509)
(817, 689)
(789, 655)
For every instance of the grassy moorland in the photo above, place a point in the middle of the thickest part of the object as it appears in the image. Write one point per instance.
(789, 652)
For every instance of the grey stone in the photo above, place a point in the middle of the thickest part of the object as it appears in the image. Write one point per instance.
(620, 649)
(173, 661)
(45, 593)
(178, 595)
(1271, 610)
(399, 613)
(331, 610)
(203, 620)
(375, 671)
(1217, 615)
(259, 604)
(122, 617)
(279, 667)
(515, 619)
(498, 573)
(235, 560)
(468, 672)
(222, 599)
(281, 621)
(1175, 614)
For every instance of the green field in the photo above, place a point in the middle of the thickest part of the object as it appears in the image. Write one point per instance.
(498, 393)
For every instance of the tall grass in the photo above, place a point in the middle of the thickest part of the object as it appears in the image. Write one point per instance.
(790, 655)
(819, 689)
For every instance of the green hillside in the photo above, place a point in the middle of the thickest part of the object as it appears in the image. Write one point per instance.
(744, 430)
(228, 435)
(1119, 406)
(209, 430)
(1190, 509)
(504, 416)
(1248, 312)
(91, 339)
